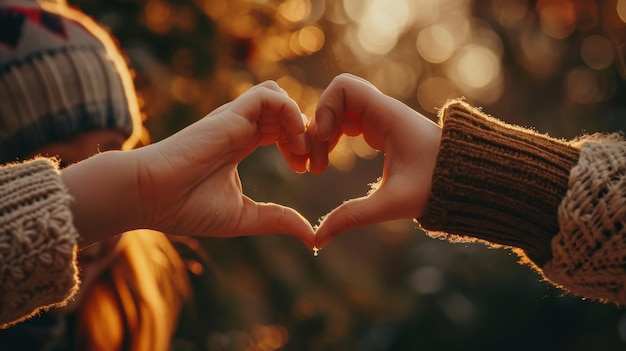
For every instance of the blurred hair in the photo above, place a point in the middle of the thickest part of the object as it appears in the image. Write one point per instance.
(135, 303)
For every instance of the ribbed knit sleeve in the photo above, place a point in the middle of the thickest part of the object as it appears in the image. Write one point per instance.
(37, 240)
(496, 182)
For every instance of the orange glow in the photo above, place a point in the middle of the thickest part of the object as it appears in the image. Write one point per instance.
(158, 15)
(185, 90)
(621, 10)
(294, 10)
(291, 85)
(342, 156)
(244, 26)
(362, 149)
(186, 19)
(310, 39)
(274, 47)
(216, 8)
(394, 78)
(433, 92)
(558, 17)
(269, 337)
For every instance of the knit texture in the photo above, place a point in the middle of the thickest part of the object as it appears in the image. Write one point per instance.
(497, 183)
(60, 75)
(37, 240)
(589, 253)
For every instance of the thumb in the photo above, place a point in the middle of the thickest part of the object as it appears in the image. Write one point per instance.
(356, 213)
(270, 218)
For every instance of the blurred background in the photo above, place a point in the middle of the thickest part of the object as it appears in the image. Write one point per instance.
(555, 65)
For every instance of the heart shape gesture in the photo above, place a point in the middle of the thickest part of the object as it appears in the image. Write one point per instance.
(188, 184)
(352, 106)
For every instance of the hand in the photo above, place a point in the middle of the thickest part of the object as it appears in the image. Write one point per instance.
(192, 176)
(188, 183)
(352, 106)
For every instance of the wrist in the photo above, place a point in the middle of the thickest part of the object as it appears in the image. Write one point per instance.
(105, 197)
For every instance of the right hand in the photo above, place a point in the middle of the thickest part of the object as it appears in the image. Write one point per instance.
(187, 184)
(191, 177)
(352, 106)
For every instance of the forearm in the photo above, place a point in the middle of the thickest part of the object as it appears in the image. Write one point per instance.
(105, 195)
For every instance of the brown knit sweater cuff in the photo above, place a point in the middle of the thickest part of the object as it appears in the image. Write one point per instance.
(497, 183)
(37, 240)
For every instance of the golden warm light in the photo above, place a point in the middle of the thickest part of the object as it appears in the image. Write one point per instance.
(268, 337)
(621, 10)
(294, 10)
(558, 17)
(435, 43)
(342, 156)
(381, 24)
(433, 92)
(185, 90)
(310, 39)
(477, 67)
(158, 16)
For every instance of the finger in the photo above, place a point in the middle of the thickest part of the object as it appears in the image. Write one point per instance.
(272, 85)
(346, 105)
(295, 144)
(354, 214)
(327, 118)
(262, 101)
(298, 163)
(318, 157)
(270, 218)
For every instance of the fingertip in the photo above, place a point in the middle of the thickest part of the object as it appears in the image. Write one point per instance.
(324, 123)
(286, 220)
(272, 85)
(318, 165)
(322, 238)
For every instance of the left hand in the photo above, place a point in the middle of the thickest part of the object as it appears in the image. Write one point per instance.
(352, 106)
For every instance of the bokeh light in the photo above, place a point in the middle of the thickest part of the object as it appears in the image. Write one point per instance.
(435, 43)
(621, 10)
(597, 52)
(477, 67)
(294, 10)
(558, 17)
(555, 65)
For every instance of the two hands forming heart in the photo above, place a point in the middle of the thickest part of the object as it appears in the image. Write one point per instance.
(195, 170)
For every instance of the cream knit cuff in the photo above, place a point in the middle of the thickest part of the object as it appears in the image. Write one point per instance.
(589, 252)
(37, 240)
